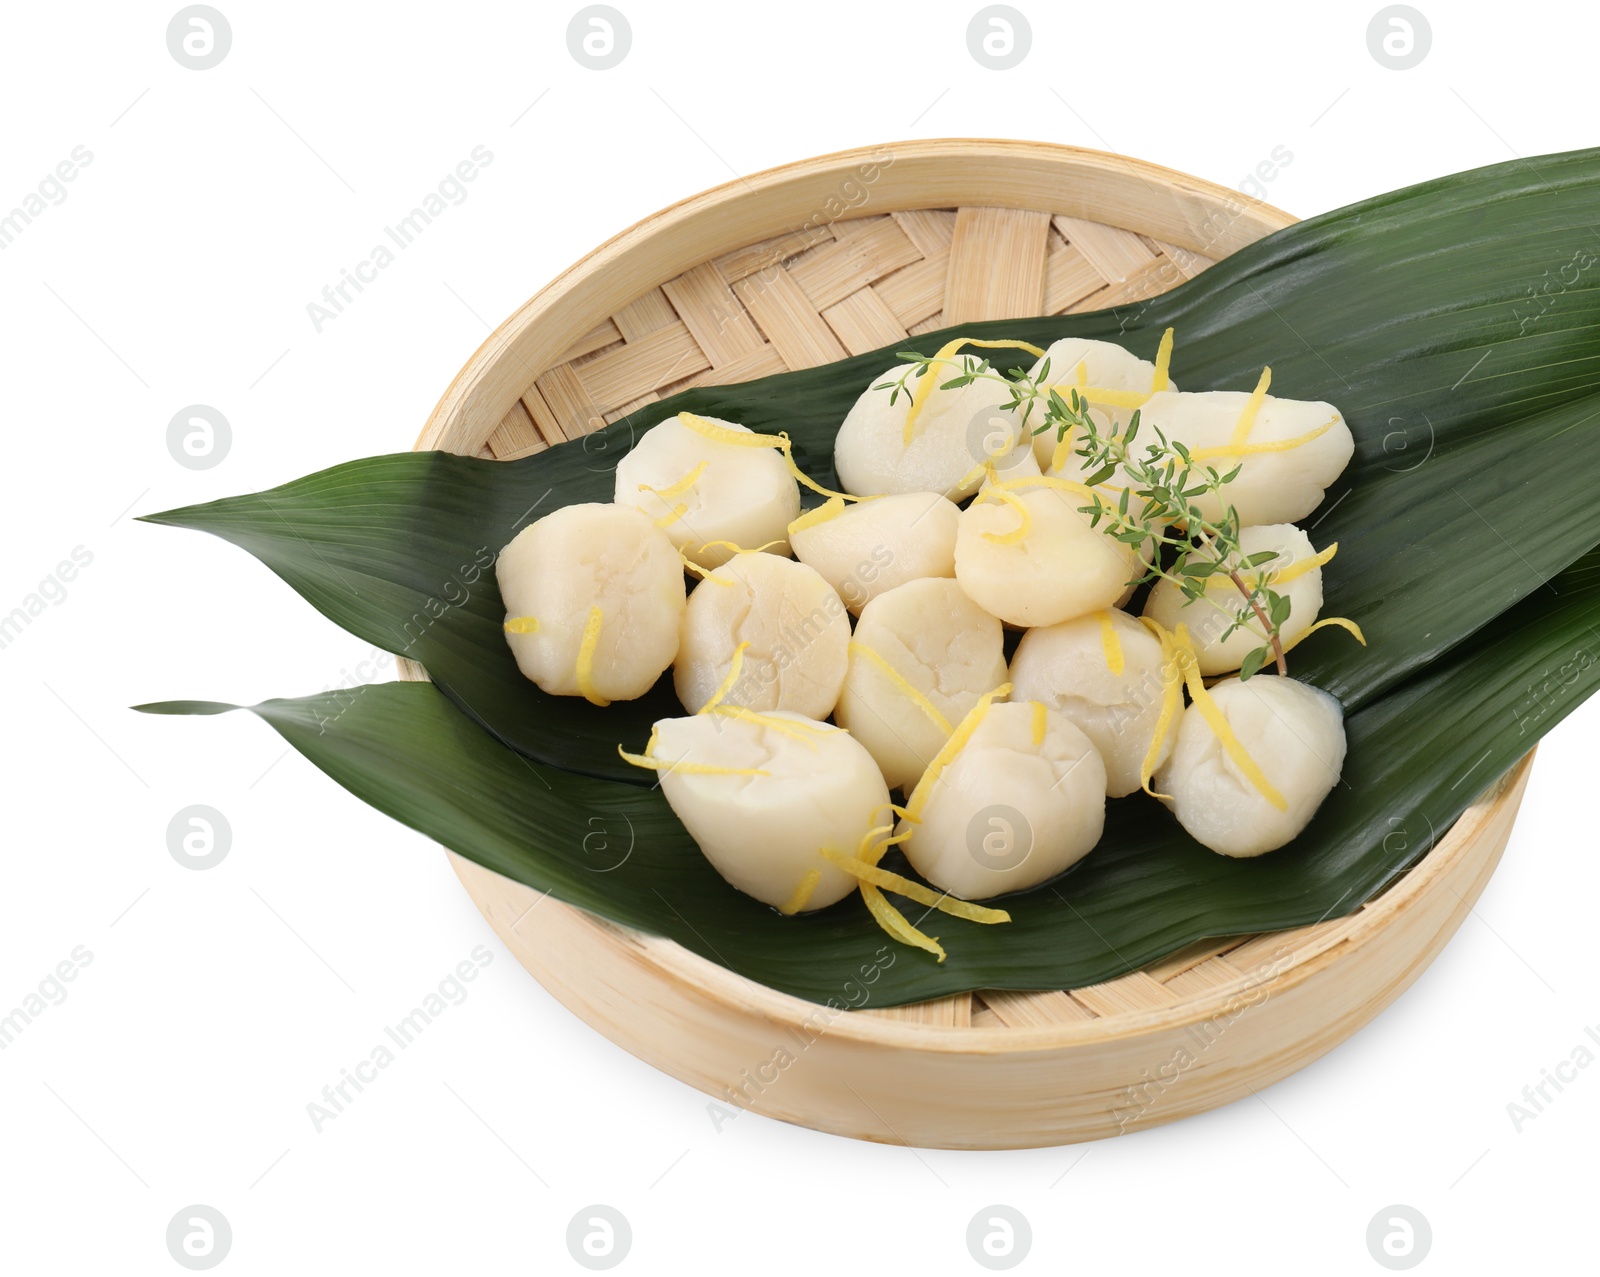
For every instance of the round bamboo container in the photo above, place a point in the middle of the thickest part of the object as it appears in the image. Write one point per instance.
(799, 266)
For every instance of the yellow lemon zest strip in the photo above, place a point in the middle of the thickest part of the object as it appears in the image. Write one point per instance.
(1110, 641)
(681, 486)
(673, 515)
(1300, 567)
(1017, 533)
(884, 913)
(704, 573)
(1171, 704)
(1006, 345)
(1342, 622)
(894, 922)
(930, 378)
(726, 686)
(1217, 721)
(1272, 445)
(829, 509)
(800, 476)
(1280, 576)
(798, 728)
(1160, 381)
(1104, 396)
(925, 387)
(948, 751)
(802, 894)
(974, 473)
(1040, 481)
(867, 853)
(988, 470)
(903, 685)
(903, 886)
(1039, 723)
(750, 439)
(739, 549)
(521, 625)
(722, 434)
(1252, 407)
(1063, 447)
(585, 671)
(784, 727)
(686, 768)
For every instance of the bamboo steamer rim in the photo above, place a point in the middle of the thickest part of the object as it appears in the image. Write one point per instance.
(496, 396)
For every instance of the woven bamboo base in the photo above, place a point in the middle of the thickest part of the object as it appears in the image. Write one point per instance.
(807, 264)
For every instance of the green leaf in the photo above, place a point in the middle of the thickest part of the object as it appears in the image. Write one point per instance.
(1253, 662)
(1278, 606)
(1417, 756)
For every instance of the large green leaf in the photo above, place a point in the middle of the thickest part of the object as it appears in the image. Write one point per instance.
(1456, 324)
(1417, 756)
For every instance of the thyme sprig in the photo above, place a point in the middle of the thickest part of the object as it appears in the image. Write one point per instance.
(1155, 503)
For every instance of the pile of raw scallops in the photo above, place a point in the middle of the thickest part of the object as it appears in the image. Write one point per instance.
(843, 670)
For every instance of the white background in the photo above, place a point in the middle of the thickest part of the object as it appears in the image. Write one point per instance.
(218, 1004)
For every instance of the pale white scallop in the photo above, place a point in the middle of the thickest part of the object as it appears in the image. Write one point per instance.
(1272, 487)
(1009, 811)
(796, 626)
(944, 646)
(1107, 366)
(1061, 568)
(865, 548)
(1293, 732)
(578, 558)
(1069, 667)
(1209, 617)
(745, 495)
(763, 833)
(954, 432)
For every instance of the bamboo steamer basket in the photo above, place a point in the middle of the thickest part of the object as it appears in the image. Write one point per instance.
(796, 267)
